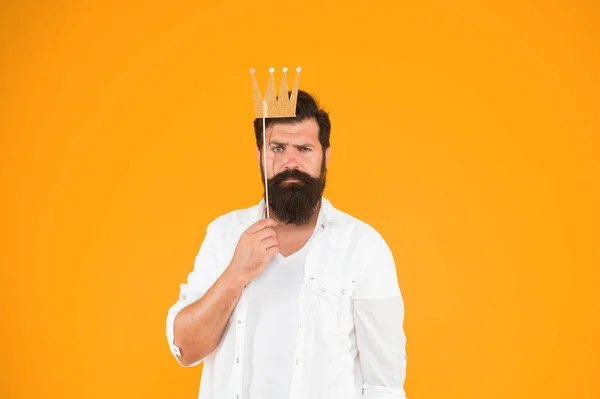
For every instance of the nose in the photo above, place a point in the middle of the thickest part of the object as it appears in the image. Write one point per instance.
(291, 162)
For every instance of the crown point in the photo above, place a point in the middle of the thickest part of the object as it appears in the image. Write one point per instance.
(271, 70)
(298, 69)
(252, 71)
(284, 69)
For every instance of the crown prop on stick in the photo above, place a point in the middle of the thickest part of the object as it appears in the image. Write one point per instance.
(273, 106)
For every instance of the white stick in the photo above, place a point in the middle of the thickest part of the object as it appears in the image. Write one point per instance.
(265, 157)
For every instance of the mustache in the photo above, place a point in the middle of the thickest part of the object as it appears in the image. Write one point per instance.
(292, 174)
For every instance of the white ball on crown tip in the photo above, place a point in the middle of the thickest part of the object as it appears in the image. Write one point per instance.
(252, 71)
(298, 69)
(271, 70)
(284, 69)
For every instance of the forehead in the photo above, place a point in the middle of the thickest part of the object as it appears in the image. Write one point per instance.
(305, 131)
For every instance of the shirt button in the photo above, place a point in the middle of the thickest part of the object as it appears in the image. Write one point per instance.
(239, 322)
(323, 289)
(237, 360)
(297, 362)
(300, 324)
(344, 291)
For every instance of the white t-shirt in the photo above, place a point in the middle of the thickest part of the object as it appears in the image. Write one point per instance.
(272, 327)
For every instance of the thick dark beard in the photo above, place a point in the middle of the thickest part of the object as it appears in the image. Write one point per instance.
(296, 202)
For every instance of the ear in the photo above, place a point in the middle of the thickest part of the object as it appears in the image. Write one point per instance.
(327, 155)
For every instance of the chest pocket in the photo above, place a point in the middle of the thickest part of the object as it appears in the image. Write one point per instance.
(331, 303)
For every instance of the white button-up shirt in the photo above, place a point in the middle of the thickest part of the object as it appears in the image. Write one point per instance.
(350, 341)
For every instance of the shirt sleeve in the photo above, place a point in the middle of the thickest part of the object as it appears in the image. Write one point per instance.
(379, 318)
(199, 281)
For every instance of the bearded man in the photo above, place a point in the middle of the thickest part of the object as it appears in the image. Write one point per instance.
(303, 304)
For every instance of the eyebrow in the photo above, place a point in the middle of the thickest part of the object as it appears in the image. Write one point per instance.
(278, 143)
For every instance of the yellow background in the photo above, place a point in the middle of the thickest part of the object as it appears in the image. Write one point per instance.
(466, 132)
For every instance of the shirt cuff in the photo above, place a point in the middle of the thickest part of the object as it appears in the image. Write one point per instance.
(377, 392)
(173, 312)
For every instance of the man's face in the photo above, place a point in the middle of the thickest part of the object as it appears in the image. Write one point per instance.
(296, 169)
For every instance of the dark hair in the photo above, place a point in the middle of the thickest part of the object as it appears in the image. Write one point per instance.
(307, 107)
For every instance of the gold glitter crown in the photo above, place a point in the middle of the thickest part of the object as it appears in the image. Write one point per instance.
(273, 106)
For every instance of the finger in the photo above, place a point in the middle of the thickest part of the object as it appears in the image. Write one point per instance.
(269, 242)
(271, 252)
(261, 224)
(265, 233)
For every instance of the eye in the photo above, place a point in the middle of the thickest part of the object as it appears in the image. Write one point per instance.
(277, 148)
(304, 149)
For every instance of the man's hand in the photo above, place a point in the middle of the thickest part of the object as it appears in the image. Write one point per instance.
(256, 247)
